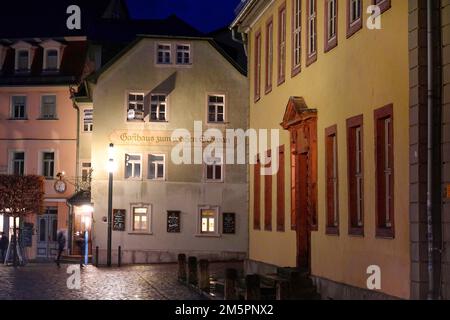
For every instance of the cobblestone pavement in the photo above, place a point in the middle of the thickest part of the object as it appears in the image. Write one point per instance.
(150, 282)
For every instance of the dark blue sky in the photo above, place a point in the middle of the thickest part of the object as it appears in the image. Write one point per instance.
(205, 15)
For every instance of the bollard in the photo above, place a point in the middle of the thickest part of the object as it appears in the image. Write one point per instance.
(253, 287)
(182, 267)
(119, 257)
(231, 277)
(96, 257)
(282, 290)
(204, 275)
(192, 271)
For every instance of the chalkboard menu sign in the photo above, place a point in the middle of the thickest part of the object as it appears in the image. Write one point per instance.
(173, 221)
(229, 223)
(27, 235)
(119, 220)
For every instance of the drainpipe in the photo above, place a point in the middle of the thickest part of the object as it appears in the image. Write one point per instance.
(430, 149)
(242, 41)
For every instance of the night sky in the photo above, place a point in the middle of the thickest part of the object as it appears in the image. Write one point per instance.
(205, 15)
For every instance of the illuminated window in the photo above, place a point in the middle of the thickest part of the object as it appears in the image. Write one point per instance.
(18, 163)
(141, 221)
(216, 109)
(214, 169)
(135, 106)
(86, 171)
(88, 120)
(133, 166)
(209, 220)
(156, 167)
(51, 60)
(48, 165)
(48, 107)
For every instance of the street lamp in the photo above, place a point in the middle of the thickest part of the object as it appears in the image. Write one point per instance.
(111, 169)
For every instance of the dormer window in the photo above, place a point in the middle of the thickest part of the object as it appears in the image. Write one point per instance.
(51, 60)
(23, 60)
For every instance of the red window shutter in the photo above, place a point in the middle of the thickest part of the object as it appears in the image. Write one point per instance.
(257, 197)
(332, 226)
(268, 199)
(293, 188)
(280, 192)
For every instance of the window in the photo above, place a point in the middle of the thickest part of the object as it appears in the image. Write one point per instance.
(209, 220)
(355, 175)
(158, 108)
(183, 54)
(51, 60)
(18, 163)
(296, 36)
(269, 55)
(282, 44)
(332, 181)
(23, 60)
(354, 16)
(257, 196)
(312, 32)
(280, 192)
(268, 198)
(88, 120)
(216, 109)
(141, 221)
(86, 172)
(156, 167)
(48, 165)
(214, 169)
(48, 107)
(164, 54)
(383, 4)
(257, 80)
(331, 24)
(133, 166)
(135, 106)
(384, 147)
(19, 108)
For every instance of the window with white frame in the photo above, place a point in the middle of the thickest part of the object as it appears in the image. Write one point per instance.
(355, 11)
(19, 107)
(312, 32)
(141, 219)
(164, 54)
(48, 107)
(214, 169)
(23, 60)
(209, 218)
(51, 59)
(158, 106)
(48, 165)
(133, 166)
(156, 167)
(88, 120)
(216, 108)
(18, 163)
(297, 25)
(183, 54)
(331, 20)
(135, 106)
(86, 171)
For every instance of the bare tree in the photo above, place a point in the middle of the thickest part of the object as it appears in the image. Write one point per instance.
(20, 196)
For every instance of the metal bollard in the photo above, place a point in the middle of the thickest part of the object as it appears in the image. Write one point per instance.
(119, 258)
(182, 267)
(192, 271)
(204, 275)
(96, 257)
(231, 278)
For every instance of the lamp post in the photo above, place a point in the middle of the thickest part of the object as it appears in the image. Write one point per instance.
(110, 209)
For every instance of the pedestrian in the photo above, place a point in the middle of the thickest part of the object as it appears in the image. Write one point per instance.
(4, 242)
(61, 239)
(81, 243)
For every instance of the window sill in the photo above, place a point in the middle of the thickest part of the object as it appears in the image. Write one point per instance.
(332, 231)
(295, 71)
(330, 45)
(356, 232)
(206, 235)
(353, 29)
(387, 234)
(140, 233)
(217, 123)
(158, 121)
(311, 59)
(213, 181)
(47, 119)
(18, 119)
(281, 81)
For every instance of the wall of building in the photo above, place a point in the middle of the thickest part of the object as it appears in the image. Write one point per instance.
(363, 73)
(184, 189)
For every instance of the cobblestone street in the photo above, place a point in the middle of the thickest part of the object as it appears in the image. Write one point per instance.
(150, 282)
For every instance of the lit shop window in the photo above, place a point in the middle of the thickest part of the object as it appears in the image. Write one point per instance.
(141, 220)
(135, 106)
(214, 169)
(18, 163)
(88, 120)
(133, 166)
(48, 165)
(216, 109)
(158, 108)
(164, 54)
(183, 54)
(48, 107)
(209, 221)
(156, 167)
(19, 107)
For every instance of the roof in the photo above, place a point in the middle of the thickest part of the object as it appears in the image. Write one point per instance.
(80, 198)
(70, 72)
(223, 37)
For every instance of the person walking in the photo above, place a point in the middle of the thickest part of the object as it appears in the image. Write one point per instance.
(4, 242)
(81, 243)
(61, 239)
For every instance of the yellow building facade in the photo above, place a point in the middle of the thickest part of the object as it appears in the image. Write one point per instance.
(338, 84)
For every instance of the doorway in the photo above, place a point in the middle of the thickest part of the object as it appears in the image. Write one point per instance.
(47, 243)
